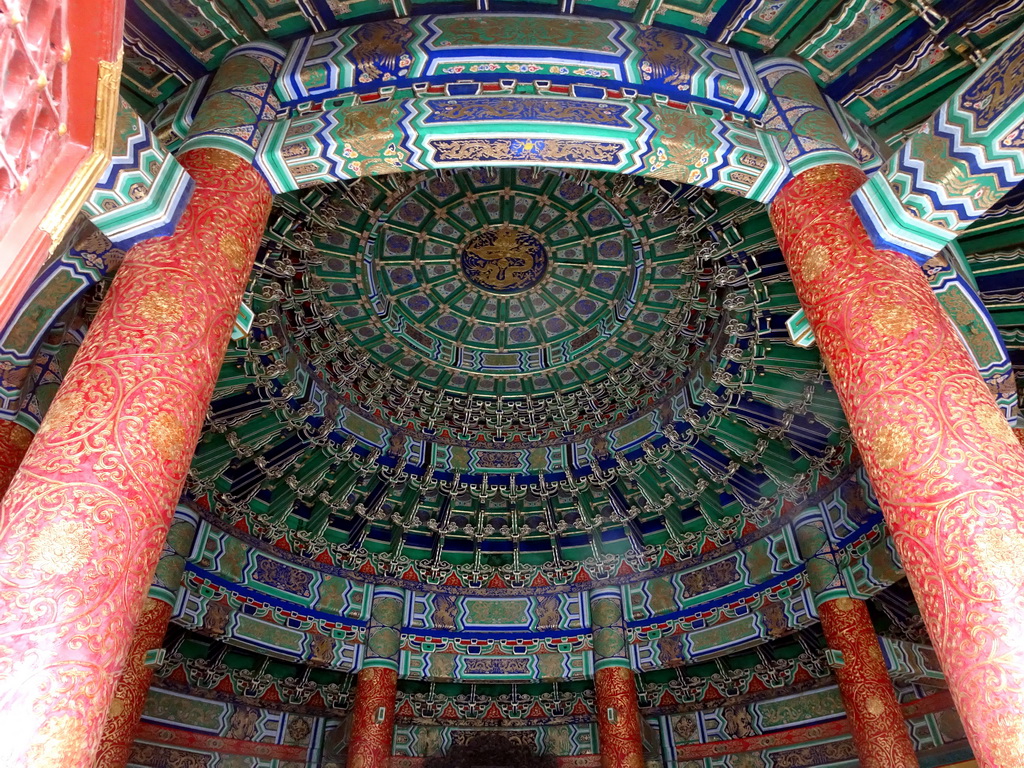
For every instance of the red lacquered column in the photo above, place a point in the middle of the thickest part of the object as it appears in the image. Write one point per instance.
(373, 718)
(946, 467)
(133, 687)
(618, 707)
(373, 714)
(618, 718)
(86, 516)
(876, 721)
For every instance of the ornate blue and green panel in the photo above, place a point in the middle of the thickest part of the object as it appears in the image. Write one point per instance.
(178, 729)
(29, 387)
(956, 166)
(910, 662)
(262, 602)
(951, 280)
(144, 189)
(250, 619)
(479, 658)
(930, 67)
(173, 119)
(181, 538)
(854, 30)
(824, 569)
(717, 628)
(608, 625)
(479, 638)
(524, 615)
(90, 257)
(390, 96)
(557, 49)
(238, 102)
(536, 127)
(802, 122)
(382, 645)
(819, 706)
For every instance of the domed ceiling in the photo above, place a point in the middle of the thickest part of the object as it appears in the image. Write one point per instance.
(518, 372)
(519, 382)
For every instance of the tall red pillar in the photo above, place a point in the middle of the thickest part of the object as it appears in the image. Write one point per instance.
(86, 516)
(373, 718)
(876, 721)
(618, 707)
(373, 713)
(133, 686)
(944, 463)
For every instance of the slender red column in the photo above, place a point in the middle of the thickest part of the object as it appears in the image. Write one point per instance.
(618, 718)
(618, 708)
(14, 441)
(876, 721)
(944, 464)
(373, 718)
(133, 686)
(85, 519)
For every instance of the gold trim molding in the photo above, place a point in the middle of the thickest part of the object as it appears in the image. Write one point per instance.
(69, 202)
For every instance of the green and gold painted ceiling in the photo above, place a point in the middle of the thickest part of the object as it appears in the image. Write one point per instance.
(641, 392)
(525, 381)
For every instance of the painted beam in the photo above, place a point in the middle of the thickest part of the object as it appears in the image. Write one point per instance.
(956, 166)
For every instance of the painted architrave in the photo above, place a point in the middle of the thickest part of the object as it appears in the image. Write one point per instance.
(956, 166)
(143, 190)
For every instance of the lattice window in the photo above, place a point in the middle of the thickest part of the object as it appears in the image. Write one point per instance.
(34, 54)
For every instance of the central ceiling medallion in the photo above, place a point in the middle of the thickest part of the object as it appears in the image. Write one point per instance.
(504, 260)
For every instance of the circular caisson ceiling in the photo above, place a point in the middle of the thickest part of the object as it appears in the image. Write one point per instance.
(503, 289)
(522, 371)
(380, 445)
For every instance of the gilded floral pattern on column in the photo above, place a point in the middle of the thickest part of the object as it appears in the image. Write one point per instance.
(133, 686)
(874, 715)
(373, 718)
(945, 466)
(86, 516)
(619, 739)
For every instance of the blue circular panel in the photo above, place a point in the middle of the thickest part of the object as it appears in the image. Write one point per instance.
(504, 260)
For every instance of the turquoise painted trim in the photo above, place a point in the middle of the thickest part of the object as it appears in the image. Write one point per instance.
(890, 225)
(377, 662)
(777, 172)
(608, 58)
(154, 215)
(243, 322)
(27, 421)
(288, 86)
(799, 328)
(960, 263)
(820, 158)
(186, 111)
(267, 158)
(163, 595)
(615, 661)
